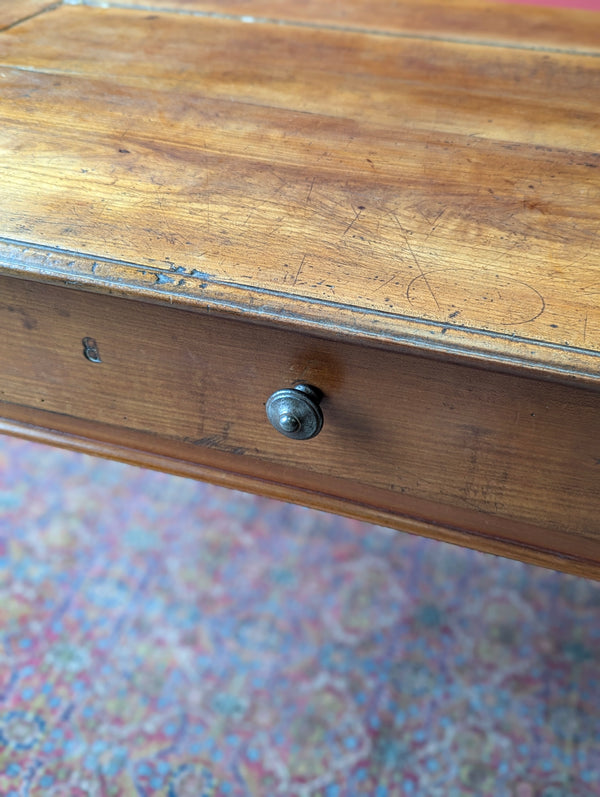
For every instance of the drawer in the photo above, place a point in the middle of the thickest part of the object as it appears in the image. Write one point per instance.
(498, 455)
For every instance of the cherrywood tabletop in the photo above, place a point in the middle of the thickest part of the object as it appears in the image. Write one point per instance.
(425, 173)
(397, 203)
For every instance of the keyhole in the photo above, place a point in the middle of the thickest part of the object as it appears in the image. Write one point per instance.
(90, 350)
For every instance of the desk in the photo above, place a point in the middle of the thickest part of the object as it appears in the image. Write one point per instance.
(397, 204)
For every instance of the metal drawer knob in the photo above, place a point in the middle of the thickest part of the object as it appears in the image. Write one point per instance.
(295, 412)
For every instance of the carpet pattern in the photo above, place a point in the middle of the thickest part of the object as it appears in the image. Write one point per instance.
(164, 637)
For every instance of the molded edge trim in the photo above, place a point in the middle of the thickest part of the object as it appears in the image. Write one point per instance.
(490, 350)
(359, 511)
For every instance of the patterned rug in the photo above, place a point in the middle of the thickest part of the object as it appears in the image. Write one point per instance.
(164, 637)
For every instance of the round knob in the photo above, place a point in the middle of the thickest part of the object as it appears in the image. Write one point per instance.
(295, 412)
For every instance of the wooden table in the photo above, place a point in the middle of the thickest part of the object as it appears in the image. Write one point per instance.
(397, 203)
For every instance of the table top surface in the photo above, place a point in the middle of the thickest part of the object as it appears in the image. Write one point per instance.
(422, 173)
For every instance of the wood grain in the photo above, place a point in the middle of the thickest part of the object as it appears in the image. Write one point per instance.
(403, 177)
(510, 353)
(495, 454)
(464, 20)
(13, 13)
(231, 197)
(225, 472)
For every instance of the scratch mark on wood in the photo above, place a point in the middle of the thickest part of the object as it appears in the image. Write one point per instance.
(300, 267)
(310, 190)
(276, 175)
(354, 220)
(437, 218)
(418, 265)
(219, 440)
(434, 225)
(585, 328)
(505, 253)
(387, 282)
(49, 7)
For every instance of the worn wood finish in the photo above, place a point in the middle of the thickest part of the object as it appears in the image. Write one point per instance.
(406, 216)
(224, 471)
(464, 20)
(488, 452)
(396, 175)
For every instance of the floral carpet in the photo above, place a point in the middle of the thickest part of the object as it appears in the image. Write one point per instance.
(165, 637)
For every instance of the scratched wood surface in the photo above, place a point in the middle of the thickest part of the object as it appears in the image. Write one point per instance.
(433, 186)
(398, 194)
(464, 20)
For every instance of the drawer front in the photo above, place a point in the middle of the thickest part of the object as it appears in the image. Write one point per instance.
(449, 443)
